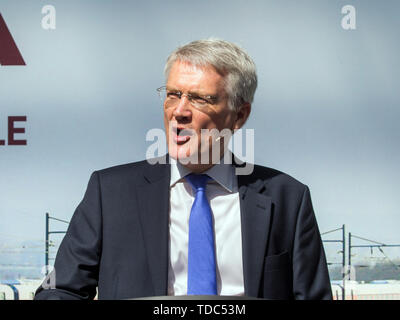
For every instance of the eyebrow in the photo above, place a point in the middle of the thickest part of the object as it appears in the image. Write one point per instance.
(193, 93)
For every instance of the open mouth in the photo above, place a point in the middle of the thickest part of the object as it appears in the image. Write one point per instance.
(182, 135)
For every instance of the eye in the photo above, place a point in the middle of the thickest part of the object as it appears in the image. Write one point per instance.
(199, 100)
(173, 95)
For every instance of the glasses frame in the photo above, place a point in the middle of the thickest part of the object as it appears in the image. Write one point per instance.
(210, 100)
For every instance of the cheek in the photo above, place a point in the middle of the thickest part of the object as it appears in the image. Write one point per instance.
(224, 121)
(204, 122)
(166, 115)
(167, 119)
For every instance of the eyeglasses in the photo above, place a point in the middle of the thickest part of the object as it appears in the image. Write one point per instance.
(171, 98)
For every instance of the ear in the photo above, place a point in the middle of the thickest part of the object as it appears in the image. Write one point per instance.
(242, 115)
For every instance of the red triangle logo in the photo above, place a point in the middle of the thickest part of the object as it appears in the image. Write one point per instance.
(9, 53)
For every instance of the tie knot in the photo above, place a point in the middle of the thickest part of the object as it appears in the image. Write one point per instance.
(197, 181)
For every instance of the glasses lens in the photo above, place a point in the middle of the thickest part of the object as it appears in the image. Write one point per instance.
(173, 98)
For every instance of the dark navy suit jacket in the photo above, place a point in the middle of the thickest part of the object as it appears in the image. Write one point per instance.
(117, 239)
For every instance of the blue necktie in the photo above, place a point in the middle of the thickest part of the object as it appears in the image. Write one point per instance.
(201, 254)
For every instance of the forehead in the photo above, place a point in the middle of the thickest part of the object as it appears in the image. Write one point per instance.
(188, 77)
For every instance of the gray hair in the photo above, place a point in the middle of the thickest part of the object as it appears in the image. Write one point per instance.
(228, 59)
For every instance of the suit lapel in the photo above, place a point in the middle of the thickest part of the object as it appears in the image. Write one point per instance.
(255, 210)
(153, 203)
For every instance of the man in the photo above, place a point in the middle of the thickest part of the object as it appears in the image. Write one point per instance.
(191, 226)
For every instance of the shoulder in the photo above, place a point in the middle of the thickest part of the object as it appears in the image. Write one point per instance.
(275, 176)
(123, 169)
(274, 181)
(134, 171)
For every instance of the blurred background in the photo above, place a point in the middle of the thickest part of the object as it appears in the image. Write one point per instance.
(326, 111)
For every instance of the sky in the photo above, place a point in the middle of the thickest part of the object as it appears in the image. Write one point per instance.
(326, 109)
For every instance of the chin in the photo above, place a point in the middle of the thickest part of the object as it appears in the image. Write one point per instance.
(180, 153)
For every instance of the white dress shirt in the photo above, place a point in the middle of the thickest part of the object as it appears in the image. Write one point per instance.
(223, 196)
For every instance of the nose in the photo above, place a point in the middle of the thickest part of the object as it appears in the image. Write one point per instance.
(182, 110)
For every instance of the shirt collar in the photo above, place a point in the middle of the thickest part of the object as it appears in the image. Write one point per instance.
(222, 173)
